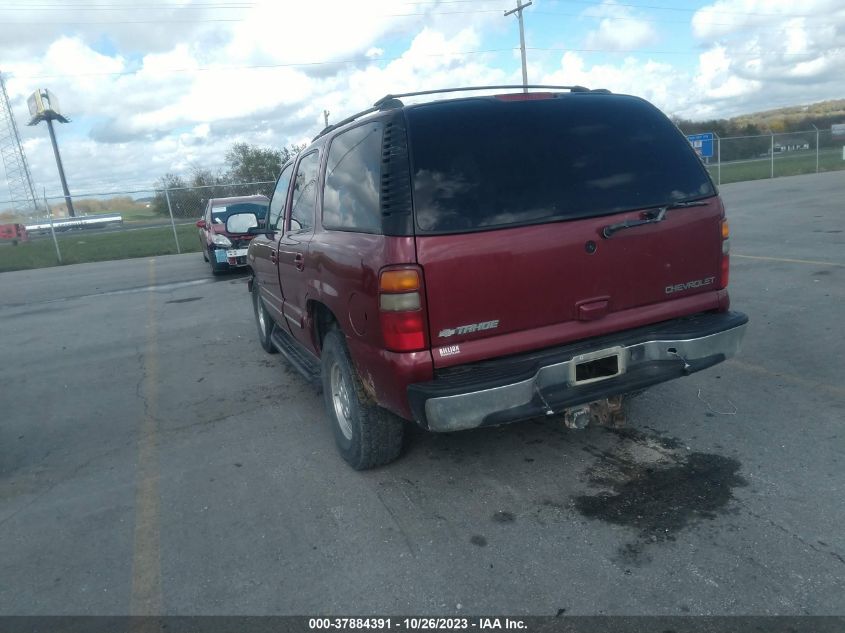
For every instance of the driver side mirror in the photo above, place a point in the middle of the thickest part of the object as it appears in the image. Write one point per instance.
(200, 224)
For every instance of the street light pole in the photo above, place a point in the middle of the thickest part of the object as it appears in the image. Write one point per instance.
(519, 9)
(68, 200)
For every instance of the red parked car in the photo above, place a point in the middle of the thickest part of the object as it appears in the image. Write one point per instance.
(484, 260)
(221, 248)
(14, 232)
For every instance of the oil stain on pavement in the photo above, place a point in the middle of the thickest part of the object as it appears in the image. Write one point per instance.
(656, 486)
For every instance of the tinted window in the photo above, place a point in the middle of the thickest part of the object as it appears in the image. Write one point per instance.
(219, 212)
(304, 193)
(280, 194)
(351, 192)
(487, 163)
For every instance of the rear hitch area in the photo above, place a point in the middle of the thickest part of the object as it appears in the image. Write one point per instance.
(610, 411)
(606, 412)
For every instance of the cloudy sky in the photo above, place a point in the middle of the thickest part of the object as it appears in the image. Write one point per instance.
(155, 86)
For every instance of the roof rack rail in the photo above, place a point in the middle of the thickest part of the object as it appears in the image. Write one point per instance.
(392, 101)
(469, 88)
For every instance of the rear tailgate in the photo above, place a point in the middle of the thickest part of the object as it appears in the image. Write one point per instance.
(499, 279)
(486, 285)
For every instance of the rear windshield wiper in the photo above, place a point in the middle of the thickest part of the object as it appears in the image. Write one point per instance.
(652, 217)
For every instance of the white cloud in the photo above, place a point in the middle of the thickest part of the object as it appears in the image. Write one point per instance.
(619, 28)
(155, 120)
(767, 54)
(658, 82)
(131, 128)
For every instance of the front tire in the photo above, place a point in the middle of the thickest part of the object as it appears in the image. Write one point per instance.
(366, 434)
(262, 320)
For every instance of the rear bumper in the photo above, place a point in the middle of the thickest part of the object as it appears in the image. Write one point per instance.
(529, 385)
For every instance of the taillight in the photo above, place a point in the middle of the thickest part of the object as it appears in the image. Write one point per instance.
(403, 323)
(724, 273)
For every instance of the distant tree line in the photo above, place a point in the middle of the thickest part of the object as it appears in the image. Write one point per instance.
(245, 164)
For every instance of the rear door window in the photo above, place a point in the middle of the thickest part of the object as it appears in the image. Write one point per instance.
(488, 163)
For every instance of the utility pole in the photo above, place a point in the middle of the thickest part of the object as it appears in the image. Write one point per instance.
(519, 9)
(326, 114)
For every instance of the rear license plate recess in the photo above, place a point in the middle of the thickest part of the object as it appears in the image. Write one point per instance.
(596, 366)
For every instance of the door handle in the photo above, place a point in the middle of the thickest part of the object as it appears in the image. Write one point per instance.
(274, 257)
(299, 261)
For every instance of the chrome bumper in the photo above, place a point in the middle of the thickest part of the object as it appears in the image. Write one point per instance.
(682, 357)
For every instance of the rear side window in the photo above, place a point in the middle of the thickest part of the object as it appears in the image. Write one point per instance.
(353, 172)
(304, 193)
(485, 163)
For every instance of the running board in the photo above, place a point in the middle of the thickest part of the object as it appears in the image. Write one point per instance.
(302, 360)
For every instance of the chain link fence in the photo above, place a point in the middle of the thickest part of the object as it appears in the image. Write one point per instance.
(159, 221)
(739, 158)
(108, 226)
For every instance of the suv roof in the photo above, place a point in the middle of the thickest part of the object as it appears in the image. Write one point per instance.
(401, 193)
(392, 101)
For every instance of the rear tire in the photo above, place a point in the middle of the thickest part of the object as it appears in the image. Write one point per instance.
(366, 434)
(263, 321)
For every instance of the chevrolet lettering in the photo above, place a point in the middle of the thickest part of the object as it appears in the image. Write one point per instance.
(698, 283)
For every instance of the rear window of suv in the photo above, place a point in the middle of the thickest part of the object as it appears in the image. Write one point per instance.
(486, 163)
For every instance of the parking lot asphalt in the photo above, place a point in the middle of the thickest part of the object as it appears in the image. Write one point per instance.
(153, 459)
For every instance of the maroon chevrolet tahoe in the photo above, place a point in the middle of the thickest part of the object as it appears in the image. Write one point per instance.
(484, 260)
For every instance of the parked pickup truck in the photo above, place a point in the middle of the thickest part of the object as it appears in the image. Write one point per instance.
(484, 260)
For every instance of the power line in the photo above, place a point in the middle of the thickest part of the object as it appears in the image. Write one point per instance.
(648, 52)
(197, 20)
(124, 7)
(64, 9)
(659, 21)
(204, 5)
(365, 60)
(664, 8)
(259, 66)
(250, 5)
